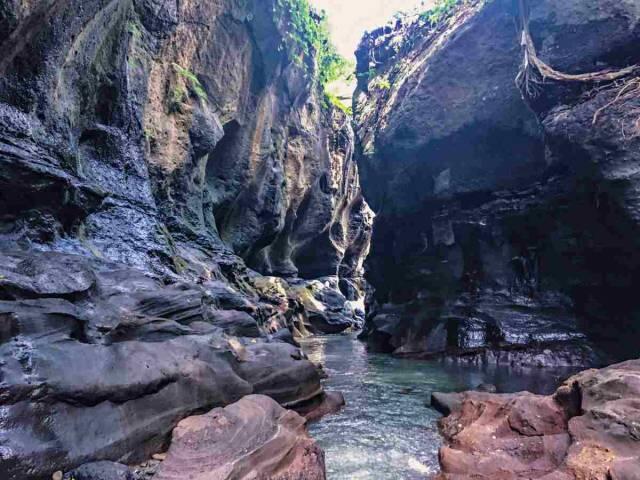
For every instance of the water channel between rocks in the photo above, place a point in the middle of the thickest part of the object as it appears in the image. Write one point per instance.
(387, 431)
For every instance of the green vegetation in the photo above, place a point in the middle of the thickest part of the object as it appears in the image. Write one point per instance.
(381, 83)
(134, 29)
(441, 10)
(332, 99)
(194, 84)
(309, 38)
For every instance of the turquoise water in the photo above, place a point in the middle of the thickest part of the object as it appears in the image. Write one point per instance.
(386, 431)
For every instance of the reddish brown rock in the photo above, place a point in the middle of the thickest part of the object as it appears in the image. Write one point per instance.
(588, 430)
(254, 438)
(322, 405)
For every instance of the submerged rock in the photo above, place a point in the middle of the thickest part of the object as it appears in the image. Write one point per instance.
(503, 223)
(253, 438)
(587, 429)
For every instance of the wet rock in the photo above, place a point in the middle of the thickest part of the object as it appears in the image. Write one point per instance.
(585, 430)
(101, 471)
(445, 403)
(253, 438)
(327, 309)
(486, 388)
(326, 404)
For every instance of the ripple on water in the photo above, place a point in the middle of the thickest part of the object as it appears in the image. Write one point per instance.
(385, 431)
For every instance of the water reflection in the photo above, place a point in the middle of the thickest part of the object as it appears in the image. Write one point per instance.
(386, 431)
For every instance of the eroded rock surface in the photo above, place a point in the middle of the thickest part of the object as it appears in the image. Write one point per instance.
(106, 364)
(253, 438)
(157, 160)
(503, 223)
(587, 430)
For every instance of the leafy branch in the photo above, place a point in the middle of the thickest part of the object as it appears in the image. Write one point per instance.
(308, 36)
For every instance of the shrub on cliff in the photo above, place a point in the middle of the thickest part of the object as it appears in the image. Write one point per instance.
(309, 39)
(441, 10)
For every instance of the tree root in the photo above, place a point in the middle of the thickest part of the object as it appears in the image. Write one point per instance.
(534, 71)
(629, 90)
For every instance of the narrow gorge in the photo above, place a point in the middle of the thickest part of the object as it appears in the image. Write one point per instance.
(205, 251)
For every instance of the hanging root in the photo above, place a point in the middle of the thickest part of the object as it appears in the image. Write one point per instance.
(629, 90)
(534, 71)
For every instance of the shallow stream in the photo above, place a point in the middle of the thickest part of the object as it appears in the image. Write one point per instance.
(386, 431)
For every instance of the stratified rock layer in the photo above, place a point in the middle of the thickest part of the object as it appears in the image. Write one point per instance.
(253, 438)
(503, 223)
(587, 430)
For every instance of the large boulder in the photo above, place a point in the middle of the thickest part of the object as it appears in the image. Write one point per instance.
(587, 429)
(253, 438)
(503, 222)
(327, 308)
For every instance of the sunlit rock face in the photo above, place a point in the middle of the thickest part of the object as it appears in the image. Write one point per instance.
(503, 221)
(156, 159)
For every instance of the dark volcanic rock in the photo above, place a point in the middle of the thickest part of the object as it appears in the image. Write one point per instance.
(588, 429)
(327, 309)
(101, 471)
(445, 403)
(320, 406)
(253, 438)
(500, 226)
(107, 375)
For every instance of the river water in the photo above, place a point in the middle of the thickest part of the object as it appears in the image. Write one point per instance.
(386, 431)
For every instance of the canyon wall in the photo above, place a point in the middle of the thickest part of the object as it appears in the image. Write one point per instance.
(507, 225)
(177, 199)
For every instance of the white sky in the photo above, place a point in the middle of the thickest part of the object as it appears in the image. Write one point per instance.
(349, 19)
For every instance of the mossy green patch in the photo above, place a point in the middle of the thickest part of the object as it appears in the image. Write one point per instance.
(193, 83)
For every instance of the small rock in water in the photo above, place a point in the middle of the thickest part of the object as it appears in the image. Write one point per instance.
(414, 464)
(487, 388)
(102, 470)
(445, 403)
(57, 475)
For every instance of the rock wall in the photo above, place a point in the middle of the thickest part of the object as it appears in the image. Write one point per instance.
(163, 165)
(506, 220)
(161, 134)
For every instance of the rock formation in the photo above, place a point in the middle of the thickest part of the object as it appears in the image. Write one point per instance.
(587, 430)
(168, 172)
(507, 226)
(253, 438)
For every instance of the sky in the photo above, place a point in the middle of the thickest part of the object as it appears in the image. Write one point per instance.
(348, 19)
